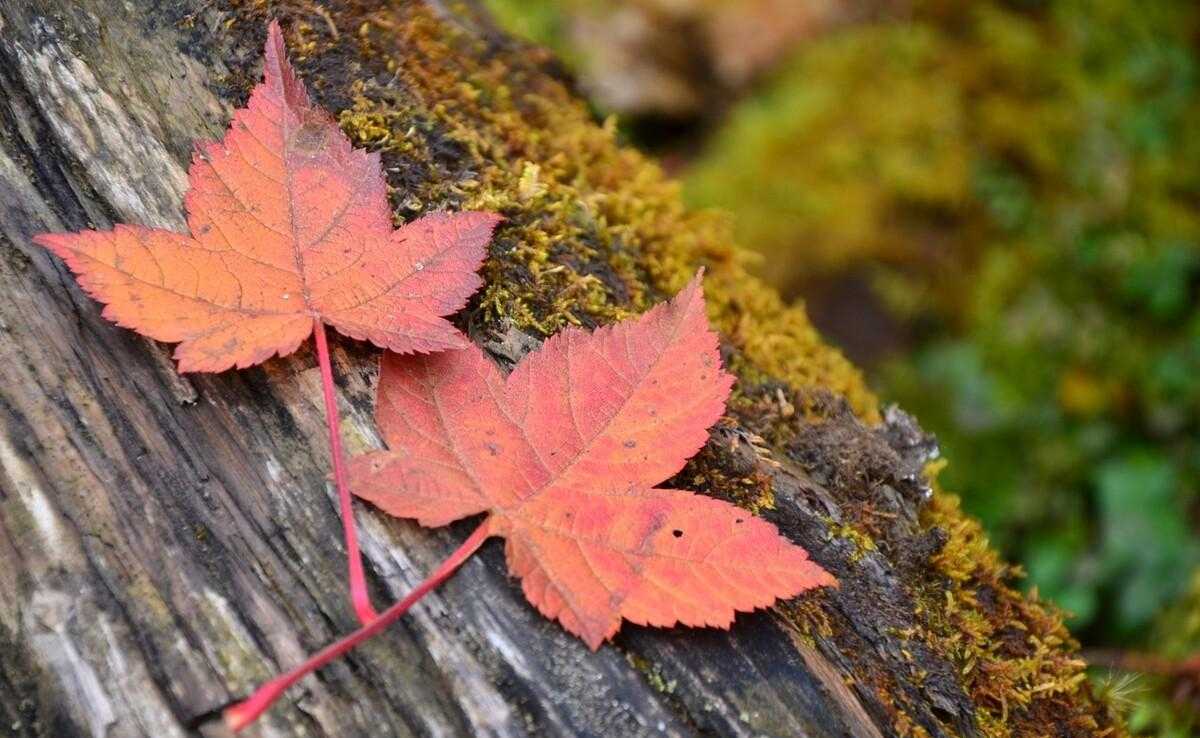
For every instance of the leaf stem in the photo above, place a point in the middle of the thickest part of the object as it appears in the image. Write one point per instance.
(358, 580)
(247, 711)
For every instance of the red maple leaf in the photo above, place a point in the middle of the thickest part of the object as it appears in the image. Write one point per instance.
(564, 455)
(290, 230)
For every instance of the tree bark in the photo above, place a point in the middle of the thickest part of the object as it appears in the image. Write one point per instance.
(167, 541)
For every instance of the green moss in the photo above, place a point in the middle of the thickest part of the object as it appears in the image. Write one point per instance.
(1017, 659)
(809, 619)
(543, 21)
(1163, 706)
(807, 166)
(652, 672)
(863, 543)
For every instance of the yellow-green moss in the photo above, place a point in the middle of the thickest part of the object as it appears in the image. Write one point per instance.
(808, 618)
(1017, 660)
(794, 166)
(863, 543)
(652, 672)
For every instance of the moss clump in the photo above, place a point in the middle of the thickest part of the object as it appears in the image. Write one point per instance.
(807, 166)
(863, 543)
(1016, 657)
(652, 672)
(809, 617)
(1012, 654)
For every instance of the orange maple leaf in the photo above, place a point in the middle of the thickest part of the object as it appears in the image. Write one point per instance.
(290, 226)
(290, 230)
(563, 455)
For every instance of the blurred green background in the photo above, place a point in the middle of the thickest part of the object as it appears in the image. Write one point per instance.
(994, 208)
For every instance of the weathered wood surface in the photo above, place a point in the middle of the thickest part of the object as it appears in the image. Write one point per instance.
(167, 542)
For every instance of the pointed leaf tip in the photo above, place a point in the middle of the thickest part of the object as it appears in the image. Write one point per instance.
(278, 72)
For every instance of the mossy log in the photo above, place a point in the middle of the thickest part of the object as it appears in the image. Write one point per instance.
(167, 541)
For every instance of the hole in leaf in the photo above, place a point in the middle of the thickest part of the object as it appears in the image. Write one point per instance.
(677, 533)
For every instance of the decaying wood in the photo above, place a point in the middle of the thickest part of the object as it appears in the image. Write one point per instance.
(167, 542)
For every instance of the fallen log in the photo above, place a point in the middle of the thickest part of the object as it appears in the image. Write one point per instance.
(167, 541)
